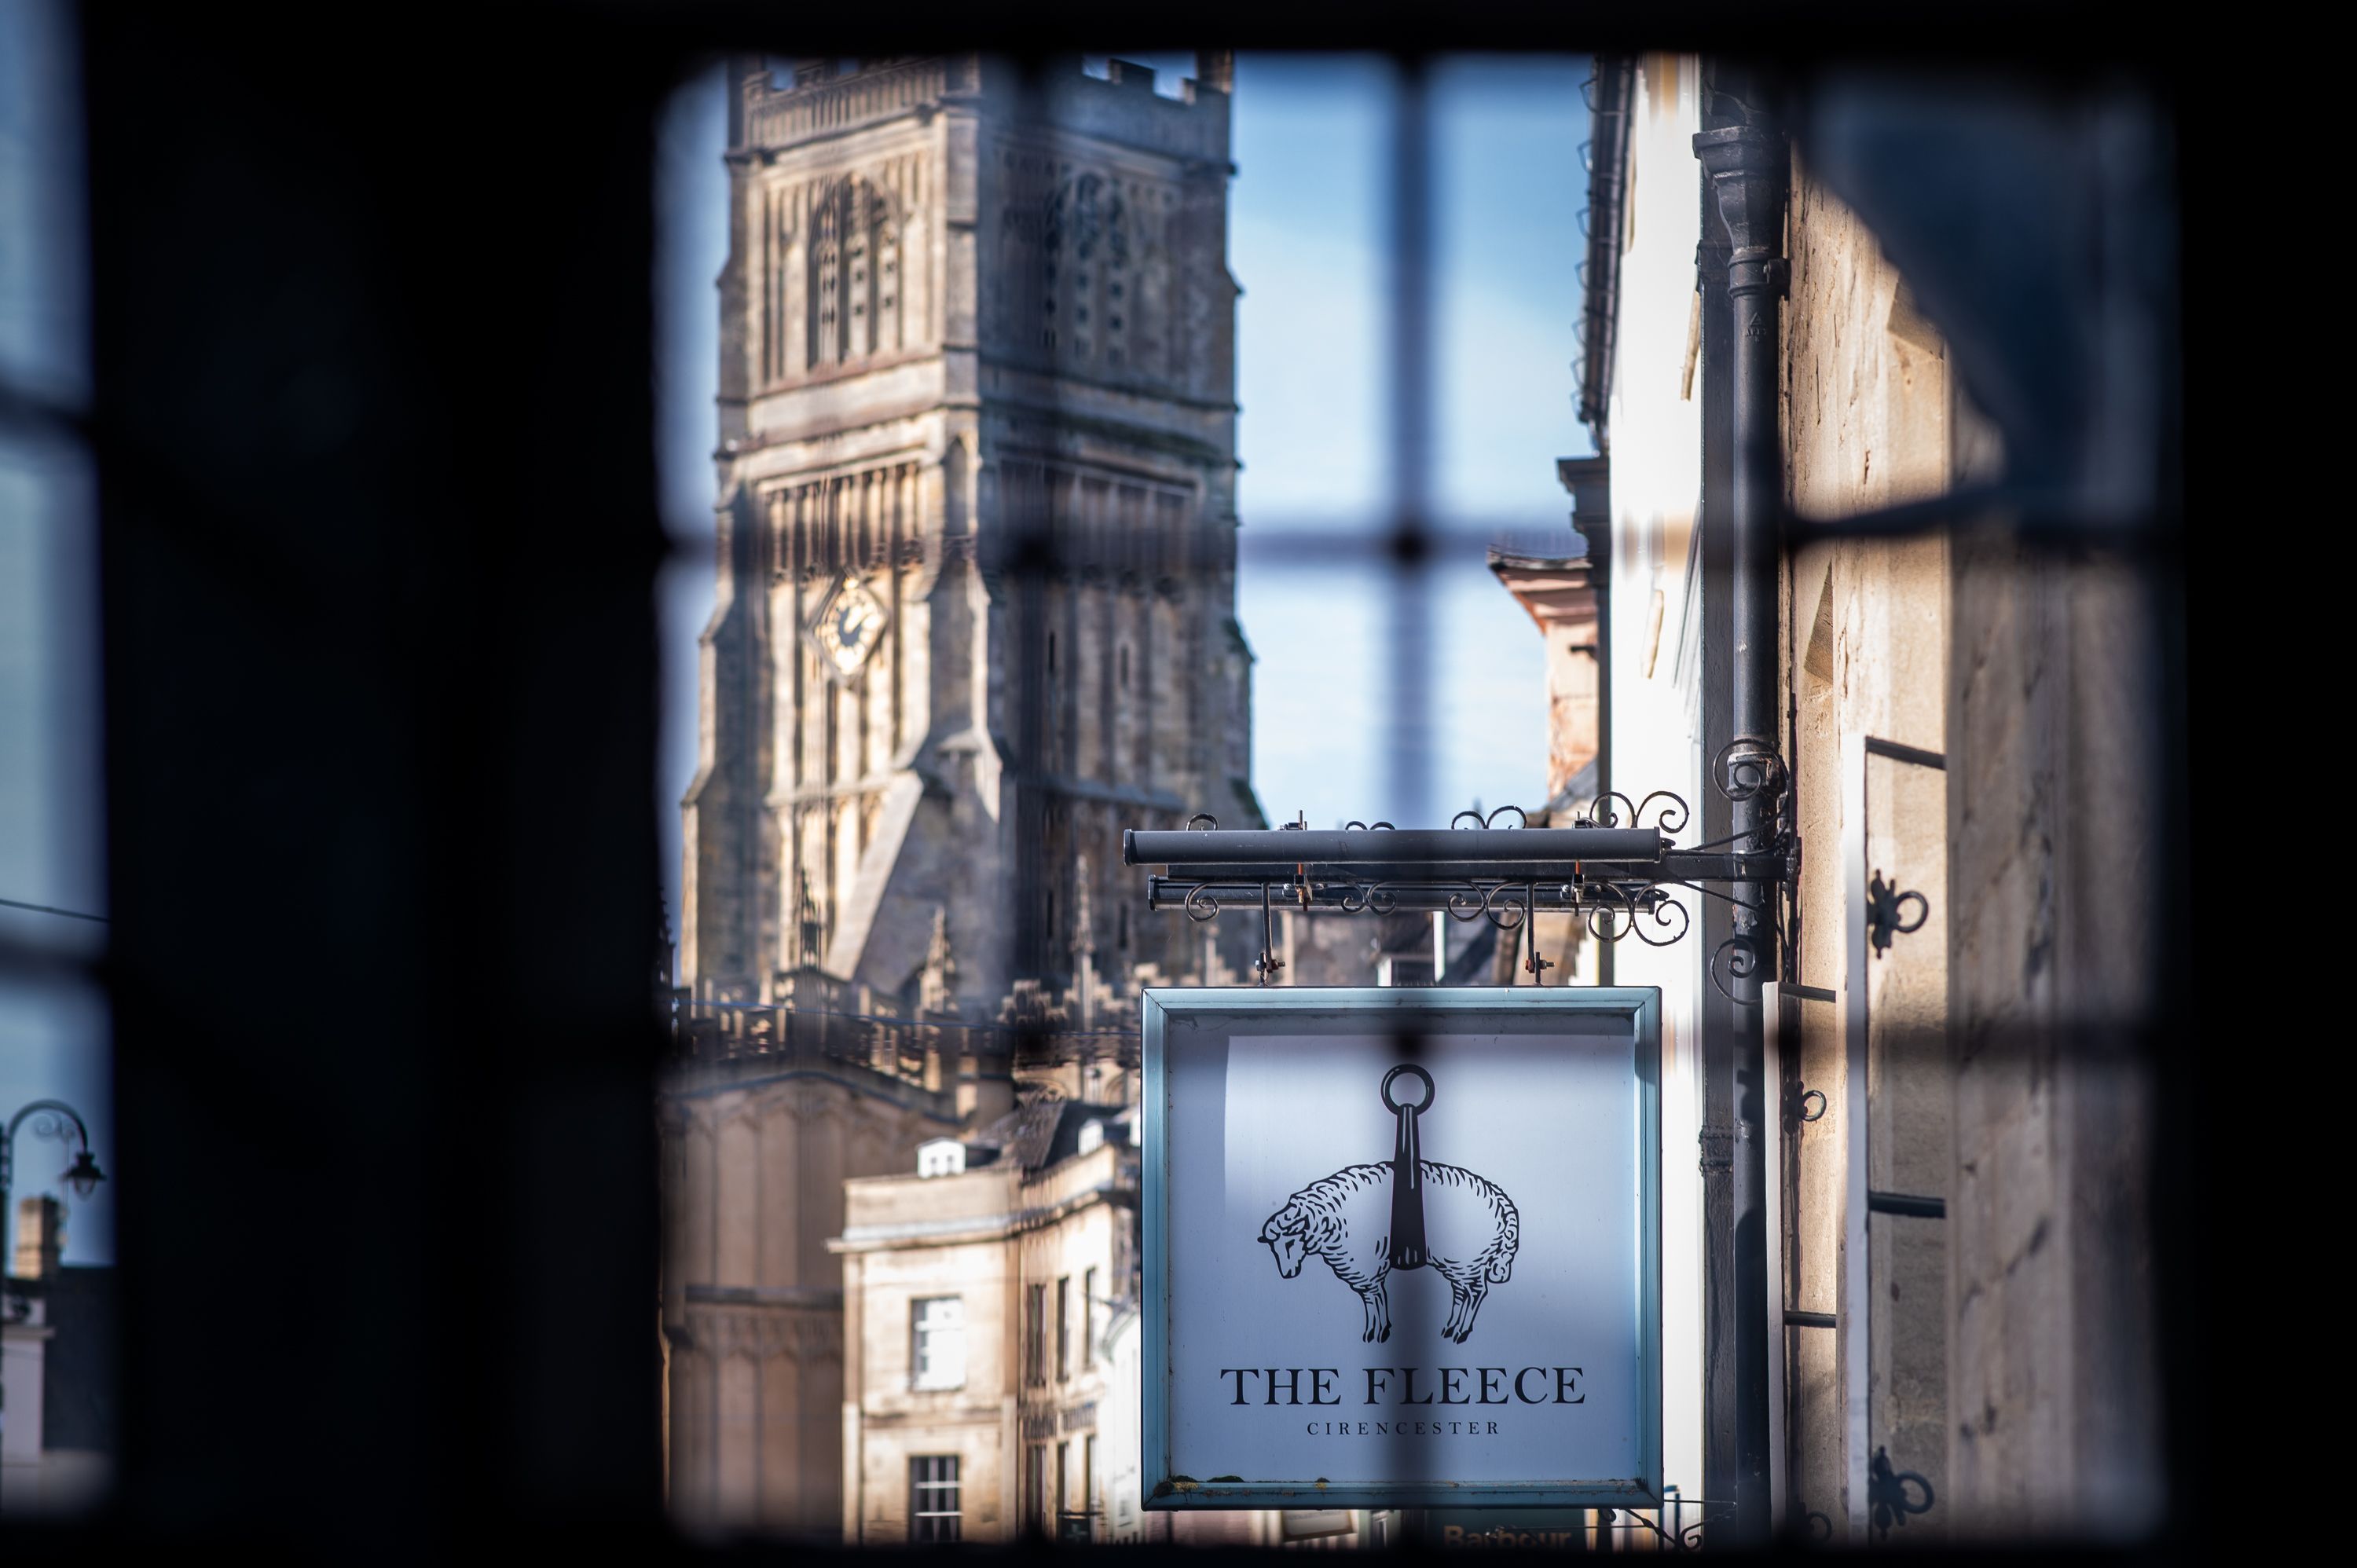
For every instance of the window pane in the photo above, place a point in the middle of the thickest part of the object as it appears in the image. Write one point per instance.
(933, 1494)
(938, 1360)
(1035, 1336)
(1090, 1291)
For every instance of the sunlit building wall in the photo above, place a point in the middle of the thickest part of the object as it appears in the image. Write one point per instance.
(1657, 740)
(1959, 1113)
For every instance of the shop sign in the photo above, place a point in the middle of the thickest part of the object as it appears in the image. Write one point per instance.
(1402, 1248)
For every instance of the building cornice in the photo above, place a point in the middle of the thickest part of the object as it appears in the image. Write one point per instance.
(965, 1229)
(781, 1298)
(707, 1079)
(1038, 398)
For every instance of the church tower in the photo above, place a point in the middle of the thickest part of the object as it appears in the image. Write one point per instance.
(976, 607)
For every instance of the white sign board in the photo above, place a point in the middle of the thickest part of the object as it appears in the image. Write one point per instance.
(1324, 1329)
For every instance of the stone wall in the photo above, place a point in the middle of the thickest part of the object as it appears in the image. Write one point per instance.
(1865, 421)
(2054, 1378)
(2010, 1354)
(755, 1154)
(977, 482)
(958, 1247)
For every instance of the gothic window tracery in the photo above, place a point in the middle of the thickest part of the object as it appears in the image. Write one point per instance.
(854, 275)
(866, 523)
(1085, 251)
(827, 287)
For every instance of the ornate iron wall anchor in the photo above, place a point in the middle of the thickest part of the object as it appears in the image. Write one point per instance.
(1886, 1494)
(1885, 913)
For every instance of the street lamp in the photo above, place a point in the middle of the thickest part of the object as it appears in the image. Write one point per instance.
(56, 1120)
(83, 1175)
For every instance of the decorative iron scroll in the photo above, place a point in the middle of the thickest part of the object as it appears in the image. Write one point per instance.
(1672, 820)
(1736, 960)
(1615, 896)
(1611, 900)
(1747, 768)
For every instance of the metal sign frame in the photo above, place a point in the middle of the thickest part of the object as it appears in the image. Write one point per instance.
(1436, 1011)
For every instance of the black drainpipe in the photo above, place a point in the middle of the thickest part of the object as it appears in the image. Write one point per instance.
(1748, 167)
(1608, 168)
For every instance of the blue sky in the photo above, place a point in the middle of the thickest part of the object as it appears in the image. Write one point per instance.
(1307, 219)
(53, 1038)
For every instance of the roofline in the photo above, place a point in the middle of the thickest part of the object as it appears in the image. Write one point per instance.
(1608, 185)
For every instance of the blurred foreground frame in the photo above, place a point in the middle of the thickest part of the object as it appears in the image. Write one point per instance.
(372, 352)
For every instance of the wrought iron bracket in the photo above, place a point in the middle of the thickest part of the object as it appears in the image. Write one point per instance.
(1616, 870)
(1681, 1534)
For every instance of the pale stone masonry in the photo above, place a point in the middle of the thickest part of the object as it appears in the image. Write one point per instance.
(992, 1310)
(974, 616)
(976, 607)
(1966, 720)
(1030, 1254)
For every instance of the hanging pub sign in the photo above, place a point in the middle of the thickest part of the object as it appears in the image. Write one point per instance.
(1402, 1248)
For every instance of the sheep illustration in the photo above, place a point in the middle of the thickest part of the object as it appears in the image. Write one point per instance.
(1470, 1235)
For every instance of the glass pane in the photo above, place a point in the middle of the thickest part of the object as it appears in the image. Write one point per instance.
(941, 1343)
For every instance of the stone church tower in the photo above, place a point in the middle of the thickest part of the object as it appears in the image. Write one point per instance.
(976, 607)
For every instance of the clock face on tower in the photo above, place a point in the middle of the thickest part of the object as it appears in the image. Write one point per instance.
(850, 625)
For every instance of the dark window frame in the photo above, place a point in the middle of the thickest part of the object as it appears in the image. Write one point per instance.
(933, 1478)
(1035, 1337)
(1064, 1329)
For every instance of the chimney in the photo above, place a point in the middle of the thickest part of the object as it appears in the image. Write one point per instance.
(40, 1238)
(1558, 581)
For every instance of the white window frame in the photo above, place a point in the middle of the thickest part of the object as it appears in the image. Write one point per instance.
(954, 1323)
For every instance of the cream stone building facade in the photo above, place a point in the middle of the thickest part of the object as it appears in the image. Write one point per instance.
(992, 1388)
(974, 615)
(1960, 1284)
(977, 606)
(763, 1115)
(978, 1301)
